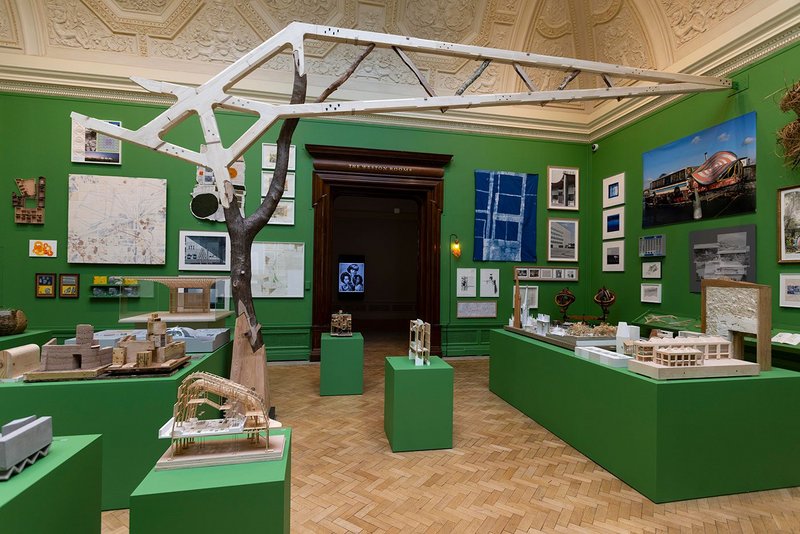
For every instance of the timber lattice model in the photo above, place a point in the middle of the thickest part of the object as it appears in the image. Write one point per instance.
(341, 324)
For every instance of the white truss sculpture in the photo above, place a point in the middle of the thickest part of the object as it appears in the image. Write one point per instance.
(212, 94)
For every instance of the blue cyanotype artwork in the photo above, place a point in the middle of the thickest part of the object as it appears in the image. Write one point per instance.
(505, 216)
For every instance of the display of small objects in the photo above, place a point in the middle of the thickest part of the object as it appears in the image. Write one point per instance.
(23, 442)
(419, 342)
(564, 300)
(605, 298)
(341, 324)
(30, 189)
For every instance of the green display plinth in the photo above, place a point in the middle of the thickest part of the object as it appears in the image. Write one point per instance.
(669, 440)
(249, 497)
(127, 411)
(418, 404)
(341, 366)
(58, 494)
(37, 337)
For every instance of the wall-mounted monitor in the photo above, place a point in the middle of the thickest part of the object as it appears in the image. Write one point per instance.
(351, 279)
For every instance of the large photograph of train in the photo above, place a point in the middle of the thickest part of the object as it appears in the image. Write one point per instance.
(709, 174)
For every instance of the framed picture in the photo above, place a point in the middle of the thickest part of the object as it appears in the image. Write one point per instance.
(614, 256)
(614, 190)
(651, 269)
(204, 251)
(89, 146)
(490, 283)
(652, 246)
(476, 309)
(68, 285)
(288, 186)
(789, 224)
(284, 213)
(790, 290)
(278, 270)
(559, 274)
(45, 287)
(562, 239)
(722, 253)
(466, 283)
(269, 156)
(42, 248)
(562, 188)
(651, 293)
(614, 223)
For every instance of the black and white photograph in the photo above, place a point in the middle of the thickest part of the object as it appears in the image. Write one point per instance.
(614, 190)
(562, 188)
(651, 293)
(651, 269)
(466, 285)
(490, 283)
(204, 251)
(562, 240)
(722, 253)
(351, 277)
(614, 256)
(546, 275)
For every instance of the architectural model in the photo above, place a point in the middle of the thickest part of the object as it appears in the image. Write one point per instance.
(16, 361)
(158, 352)
(84, 359)
(190, 299)
(341, 324)
(243, 428)
(29, 188)
(419, 342)
(603, 356)
(22, 442)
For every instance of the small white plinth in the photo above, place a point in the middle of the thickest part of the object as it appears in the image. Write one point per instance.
(709, 369)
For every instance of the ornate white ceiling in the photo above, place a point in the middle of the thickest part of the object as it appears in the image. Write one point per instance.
(93, 46)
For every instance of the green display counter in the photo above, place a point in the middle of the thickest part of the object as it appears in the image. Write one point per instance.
(127, 411)
(669, 440)
(341, 366)
(418, 404)
(60, 493)
(37, 337)
(249, 497)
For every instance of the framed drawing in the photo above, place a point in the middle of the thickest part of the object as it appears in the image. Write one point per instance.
(614, 256)
(490, 283)
(651, 293)
(562, 188)
(789, 224)
(288, 186)
(529, 296)
(789, 288)
(476, 309)
(42, 248)
(269, 155)
(466, 282)
(68, 285)
(651, 269)
(614, 223)
(562, 239)
(284, 213)
(278, 270)
(549, 274)
(45, 285)
(722, 253)
(614, 190)
(204, 251)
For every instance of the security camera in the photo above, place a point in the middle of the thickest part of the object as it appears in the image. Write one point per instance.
(595, 146)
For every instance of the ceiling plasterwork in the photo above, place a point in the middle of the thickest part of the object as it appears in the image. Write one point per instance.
(9, 35)
(689, 19)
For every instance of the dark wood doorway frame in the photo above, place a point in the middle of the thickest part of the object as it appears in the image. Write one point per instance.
(365, 172)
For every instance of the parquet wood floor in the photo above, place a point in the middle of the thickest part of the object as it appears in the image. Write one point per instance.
(505, 473)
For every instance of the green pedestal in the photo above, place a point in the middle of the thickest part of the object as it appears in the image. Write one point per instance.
(127, 411)
(341, 366)
(37, 337)
(418, 404)
(250, 497)
(60, 493)
(669, 440)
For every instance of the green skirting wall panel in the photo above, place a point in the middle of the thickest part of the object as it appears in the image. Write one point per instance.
(287, 343)
(127, 411)
(669, 440)
(466, 339)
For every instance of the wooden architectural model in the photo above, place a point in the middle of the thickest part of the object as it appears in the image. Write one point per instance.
(156, 353)
(419, 342)
(84, 359)
(244, 425)
(190, 299)
(22, 442)
(16, 361)
(341, 324)
(29, 189)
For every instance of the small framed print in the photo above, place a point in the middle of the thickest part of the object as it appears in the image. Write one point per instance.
(68, 286)
(42, 248)
(466, 282)
(789, 224)
(45, 285)
(651, 269)
(284, 213)
(614, 256)
(562, 239)
(269, 156)
(790, 290)
(490, 283)
(651, 293)
(614, 190)
(288, 186)
(614, 223)
(529, 296)
(204, 251)
(562, 188)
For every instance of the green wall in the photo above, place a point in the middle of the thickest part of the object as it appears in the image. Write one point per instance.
(760, 87)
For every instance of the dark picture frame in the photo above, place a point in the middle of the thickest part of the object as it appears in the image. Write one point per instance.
(69, 286)
(45, 285)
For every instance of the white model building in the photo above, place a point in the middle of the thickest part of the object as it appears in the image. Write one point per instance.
(419, 342)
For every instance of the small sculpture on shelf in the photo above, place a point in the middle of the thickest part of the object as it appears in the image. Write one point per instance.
(564, 300)
(23, 442)
(341, 324)
(605, 298)
(419, 342)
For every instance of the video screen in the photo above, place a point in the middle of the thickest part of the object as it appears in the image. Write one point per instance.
(351, 277)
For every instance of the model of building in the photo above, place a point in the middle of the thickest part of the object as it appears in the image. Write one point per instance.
(158, 344)
(341, 324)
(22, 442)
(419, 342)
(85, 355)
(191, 299)
(29, 188)
(17, 361)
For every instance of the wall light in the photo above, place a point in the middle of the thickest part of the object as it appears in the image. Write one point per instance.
(455, 248)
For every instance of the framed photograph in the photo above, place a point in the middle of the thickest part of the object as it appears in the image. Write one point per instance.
(722, 253)
(204, 251)
(89, 146)
(614, 190)
(789, 224)
(557, 274)
(68, 285)
(529, 296)
(651, 293)
(288, 186)
(651, 269)
(476, 309)
(284, 213)
(466, 285)
(652, 246)
(562, 239)
(790, 290)
(42, 248)
(490, 283)
(614, 256)
(562, 188)
(45, 287)
(614, 223)
(269, 156)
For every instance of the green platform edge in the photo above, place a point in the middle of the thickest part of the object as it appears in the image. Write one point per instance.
(418, 404)
(58, 494)
(341, 368)
(241, 498)
(37, 337)
(127, 411)
(669, 440)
